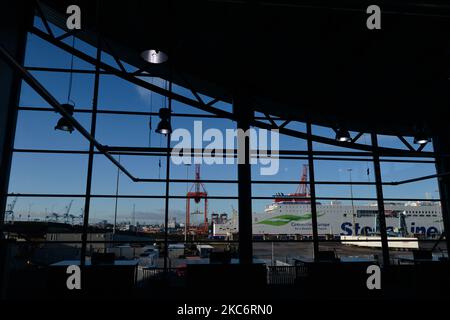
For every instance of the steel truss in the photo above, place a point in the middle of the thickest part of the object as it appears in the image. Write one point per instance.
(208, 107)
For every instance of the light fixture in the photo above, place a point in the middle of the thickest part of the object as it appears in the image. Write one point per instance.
(164, 126)
(421, 138)
(63, 124)
(343, 135)
(154, 56)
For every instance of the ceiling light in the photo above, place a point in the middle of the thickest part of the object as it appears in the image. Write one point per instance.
(63, 124)
(421, 138)
(154, 56)
(164, 126)
(343, 135)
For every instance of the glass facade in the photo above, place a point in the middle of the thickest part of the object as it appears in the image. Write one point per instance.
(67, 201)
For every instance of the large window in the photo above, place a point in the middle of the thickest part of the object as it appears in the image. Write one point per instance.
(318, 196)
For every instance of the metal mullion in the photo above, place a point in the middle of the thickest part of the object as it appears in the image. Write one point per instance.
(85, 71)
(122, 150)
(315, 158)
(160, 153)
(166, 198)
(79, 152)
(107, 196)
(371, 160)
(84, 152)
(380, 201)
(131, 196)
(152, 240)
(123, 112)
(60, 70)
(407, 161)
(361, 183)
(87, 199)
(47, 109)
(312, 189)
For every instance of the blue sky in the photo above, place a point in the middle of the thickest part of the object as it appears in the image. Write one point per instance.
(53, 173)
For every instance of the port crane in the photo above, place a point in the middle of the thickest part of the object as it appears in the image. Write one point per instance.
(66, 215)
(54, 216)
(303, 187)
(72, 218)
(80, 217)
(301, 195)
(10, 209)
(197, 192)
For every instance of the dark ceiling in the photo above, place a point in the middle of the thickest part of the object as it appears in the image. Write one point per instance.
(305, 60)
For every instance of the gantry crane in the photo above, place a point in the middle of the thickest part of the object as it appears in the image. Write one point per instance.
(197, 192)
(55, 216)
(301, 195)
(66, 214)
(10, 209)
(303, 187)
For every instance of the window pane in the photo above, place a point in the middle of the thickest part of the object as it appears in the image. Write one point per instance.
(48, 173)
(36, 130)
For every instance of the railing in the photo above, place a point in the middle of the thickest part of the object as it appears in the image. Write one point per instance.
(276, 275)
(151, 276)
(285, 275)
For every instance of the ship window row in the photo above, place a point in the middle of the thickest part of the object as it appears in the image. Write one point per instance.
(422, 215)
(422, 212)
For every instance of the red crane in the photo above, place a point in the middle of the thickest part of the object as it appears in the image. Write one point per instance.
(303, 187)
(197, 192)
(302, 193)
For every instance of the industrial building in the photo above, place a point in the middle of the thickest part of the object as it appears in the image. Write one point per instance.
(279, 150)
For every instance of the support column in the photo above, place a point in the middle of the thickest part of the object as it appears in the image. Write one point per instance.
(380, 200)
(441, 144)
(15, 19)
(87, 201)
(312, 189)
(243, 111)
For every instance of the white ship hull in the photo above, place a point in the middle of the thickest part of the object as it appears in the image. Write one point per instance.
(295, 219)
(339, 220)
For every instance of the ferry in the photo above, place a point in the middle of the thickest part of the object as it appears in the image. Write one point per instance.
(290, 215)
(293, 217)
